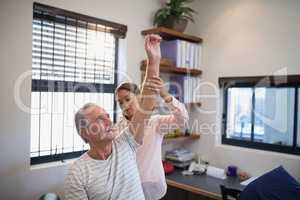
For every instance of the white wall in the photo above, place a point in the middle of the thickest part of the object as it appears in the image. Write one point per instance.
(244, 38)
(241, 37)
(18, 180)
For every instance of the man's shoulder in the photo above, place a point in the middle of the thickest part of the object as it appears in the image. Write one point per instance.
(122, 137)
(79, 162)
(125, 140)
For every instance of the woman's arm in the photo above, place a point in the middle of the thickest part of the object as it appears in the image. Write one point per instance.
(141, 117)
(176, 120)
(179, 115)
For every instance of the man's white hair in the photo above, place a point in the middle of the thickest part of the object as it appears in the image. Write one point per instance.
(80, 119)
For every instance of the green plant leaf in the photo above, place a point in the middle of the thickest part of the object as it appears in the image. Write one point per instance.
(187, 9)
(176, 8)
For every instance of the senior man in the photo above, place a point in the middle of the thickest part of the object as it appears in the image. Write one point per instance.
(109, 169)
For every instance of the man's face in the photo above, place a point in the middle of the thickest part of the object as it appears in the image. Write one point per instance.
(99, 127)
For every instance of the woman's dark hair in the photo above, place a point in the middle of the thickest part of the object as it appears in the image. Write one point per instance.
(130, 87)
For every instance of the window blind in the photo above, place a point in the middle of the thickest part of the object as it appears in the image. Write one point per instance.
(74, 61)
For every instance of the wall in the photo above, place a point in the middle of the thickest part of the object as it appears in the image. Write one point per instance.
(244, 38)
(241, 37)
(18, 179)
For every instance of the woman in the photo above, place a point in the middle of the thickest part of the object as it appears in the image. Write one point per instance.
(149, 153)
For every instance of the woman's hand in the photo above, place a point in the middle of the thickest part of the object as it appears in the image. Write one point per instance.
(152, 47)
(156, 84)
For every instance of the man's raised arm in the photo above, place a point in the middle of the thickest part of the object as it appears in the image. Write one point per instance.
(147, 101)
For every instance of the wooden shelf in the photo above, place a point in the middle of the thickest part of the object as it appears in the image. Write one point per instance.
(181, 138)
(176, 70)
(198, 104)
(169, 34)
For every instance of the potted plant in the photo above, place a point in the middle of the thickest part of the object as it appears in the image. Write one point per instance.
(175, 15)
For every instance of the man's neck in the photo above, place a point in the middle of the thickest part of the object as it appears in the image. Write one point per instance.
(101, 151)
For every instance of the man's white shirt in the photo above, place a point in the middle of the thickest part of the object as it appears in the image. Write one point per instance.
(116, 178)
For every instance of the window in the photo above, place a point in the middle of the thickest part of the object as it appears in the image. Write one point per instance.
(262, 112)
(298, 135)
(74, 61)
(239, 113)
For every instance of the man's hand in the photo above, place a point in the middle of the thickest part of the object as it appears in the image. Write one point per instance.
(152, 47)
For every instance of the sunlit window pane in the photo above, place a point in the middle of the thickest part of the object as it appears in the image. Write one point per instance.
(54, 132)
(62, 53)
(57, 123)
(35, 110)
(73, 63)
(45, 123)
(274, 115)
(239, 108)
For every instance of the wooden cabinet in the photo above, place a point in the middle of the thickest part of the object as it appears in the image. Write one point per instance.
(174, 193)
(198, 187)
(193, 136)
(169, 34)
(175, 70)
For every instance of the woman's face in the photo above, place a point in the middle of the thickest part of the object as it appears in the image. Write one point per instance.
(128, 102)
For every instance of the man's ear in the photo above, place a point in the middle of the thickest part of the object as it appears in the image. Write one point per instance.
(84, 134)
